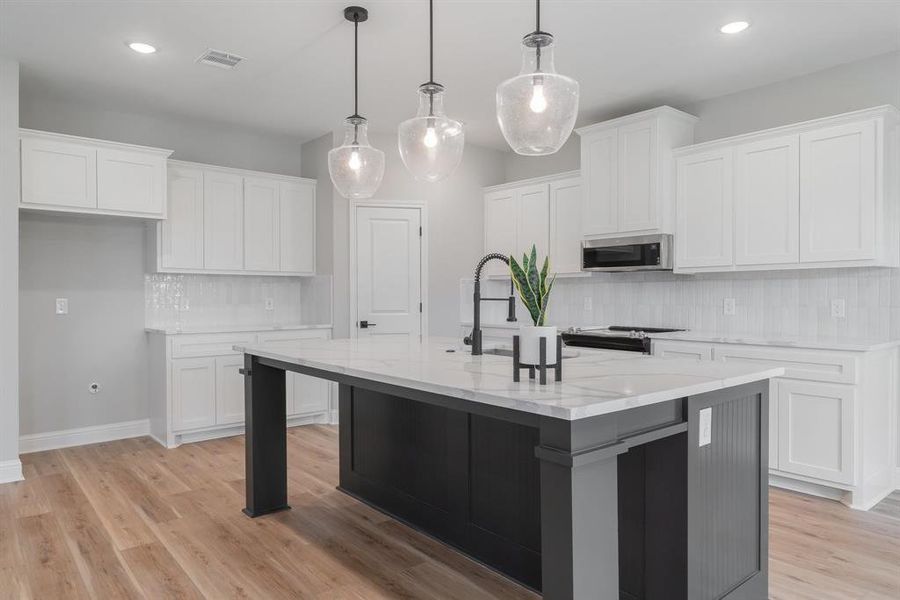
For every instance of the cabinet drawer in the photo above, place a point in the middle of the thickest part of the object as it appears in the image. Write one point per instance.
(294, 336)
(209, 344)
(824, 366)
(671, 349)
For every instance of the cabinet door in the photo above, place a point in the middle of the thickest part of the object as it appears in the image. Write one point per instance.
(704, 210)
(838, 193)
(297, 222)
(565, 225)
(500, 224)
(229, 390)
(638, 176)
(260, 224)
(599, 174)
(132, 182)
(533, 203)
(767, 202)
(223, 221)
(815, 430)
(307, 395)
(182, 230)
(59, 174)
(193, 393)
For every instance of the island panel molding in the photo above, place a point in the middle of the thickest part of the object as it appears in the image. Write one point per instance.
(822, 193)
(235, 222)
(605, 506)
(72, 174)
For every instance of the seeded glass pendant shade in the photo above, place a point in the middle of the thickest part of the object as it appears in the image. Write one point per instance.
(431, 143)
(537, 108)
(356, 168)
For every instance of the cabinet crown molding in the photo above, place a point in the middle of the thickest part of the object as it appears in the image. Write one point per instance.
(659, 111)
(533, 181)
(886, 111)
(49, 135)
(184, 164)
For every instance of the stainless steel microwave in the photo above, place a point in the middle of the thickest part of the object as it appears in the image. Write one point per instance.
(634, 253)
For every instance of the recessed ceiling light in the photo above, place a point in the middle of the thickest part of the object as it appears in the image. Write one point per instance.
(735, 27)
(142, 48)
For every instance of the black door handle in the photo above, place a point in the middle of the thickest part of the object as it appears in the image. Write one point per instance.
(365, 324)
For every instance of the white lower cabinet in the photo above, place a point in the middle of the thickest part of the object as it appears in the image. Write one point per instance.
(830, 415)
(197, 389)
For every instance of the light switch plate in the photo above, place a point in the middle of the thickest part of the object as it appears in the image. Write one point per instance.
(62, 306)
(705, 426)
(728, 306)
(588, 303)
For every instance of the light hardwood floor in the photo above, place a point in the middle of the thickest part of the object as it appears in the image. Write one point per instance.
(130, 519)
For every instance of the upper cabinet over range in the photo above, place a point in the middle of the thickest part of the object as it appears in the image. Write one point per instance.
(823, 193)
(231, 221)
(627, 172)
(64, 173)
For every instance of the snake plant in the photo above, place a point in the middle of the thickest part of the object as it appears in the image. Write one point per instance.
(532, 285)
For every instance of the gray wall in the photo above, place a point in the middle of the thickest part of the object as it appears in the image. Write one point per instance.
(9, 268)
(314, 158)
(98, 264)
(455, 229)
(852, 86)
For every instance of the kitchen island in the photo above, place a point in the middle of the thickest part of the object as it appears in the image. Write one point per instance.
(635, 477)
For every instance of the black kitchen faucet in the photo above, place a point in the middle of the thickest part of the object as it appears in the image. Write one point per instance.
(474, 339)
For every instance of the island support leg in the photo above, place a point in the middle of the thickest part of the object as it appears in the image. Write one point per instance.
(266, 438)
(579, 510)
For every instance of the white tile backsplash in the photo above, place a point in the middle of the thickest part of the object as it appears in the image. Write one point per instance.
(779, 303)
(200, 301)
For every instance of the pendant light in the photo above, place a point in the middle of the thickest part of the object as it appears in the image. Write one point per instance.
(356, 168)
(536, 109)
(431, 143)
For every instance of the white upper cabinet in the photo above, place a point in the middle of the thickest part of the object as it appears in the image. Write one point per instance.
(565, 225)
(545, 211)
(822, 193)
(500, 227)
(297, 227)
(838, 200)
(71, 174)
(261, 224)
(766, 202)
(532, 228)
(223, 221)
(704, 231)
(131, 182)
(237, 222)
(182, 231)
(627, 172)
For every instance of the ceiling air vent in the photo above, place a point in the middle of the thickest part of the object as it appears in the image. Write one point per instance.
(217, 58)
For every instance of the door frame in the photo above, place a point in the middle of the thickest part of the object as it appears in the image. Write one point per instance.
(423, 261)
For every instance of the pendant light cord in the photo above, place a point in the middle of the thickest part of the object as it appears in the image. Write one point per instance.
(537, 15)
(356, 65)
(431, 54)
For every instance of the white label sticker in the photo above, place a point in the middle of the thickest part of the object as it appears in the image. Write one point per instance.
(705, 426)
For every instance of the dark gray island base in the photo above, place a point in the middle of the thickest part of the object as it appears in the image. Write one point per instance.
(625, 505)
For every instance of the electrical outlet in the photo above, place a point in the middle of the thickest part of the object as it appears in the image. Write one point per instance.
(705, 426)
(838, 308)
(588, 303)
(62, 306)
(94, 388)
(728, 306)
(270, 303)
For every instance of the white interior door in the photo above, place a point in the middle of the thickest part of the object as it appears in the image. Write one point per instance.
(388, 271)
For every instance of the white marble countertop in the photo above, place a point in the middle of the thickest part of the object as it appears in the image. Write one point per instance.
(594, 383)
(230, 329)
(821, 343)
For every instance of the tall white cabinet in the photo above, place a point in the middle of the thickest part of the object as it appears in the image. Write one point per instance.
(627, 172)
(230, 221)
(824, 193)
(197, 390)
(544, 212)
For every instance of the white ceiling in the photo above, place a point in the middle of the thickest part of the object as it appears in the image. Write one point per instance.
(297, 78)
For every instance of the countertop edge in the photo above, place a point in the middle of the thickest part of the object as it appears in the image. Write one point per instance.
(848, 345)
(234, 329)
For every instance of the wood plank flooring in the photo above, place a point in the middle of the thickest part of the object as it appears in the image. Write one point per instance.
(129, 519)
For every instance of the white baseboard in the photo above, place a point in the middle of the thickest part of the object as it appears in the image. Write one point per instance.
(810, 489)
(51, 440)
(11, 470)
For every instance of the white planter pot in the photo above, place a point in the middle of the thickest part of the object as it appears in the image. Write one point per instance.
(529, 344)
